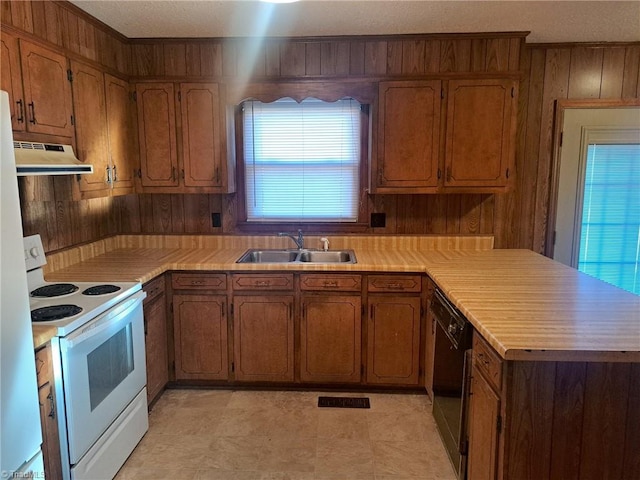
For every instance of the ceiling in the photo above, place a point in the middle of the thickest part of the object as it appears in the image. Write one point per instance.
(548, 21)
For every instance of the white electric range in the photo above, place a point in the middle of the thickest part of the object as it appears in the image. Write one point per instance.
(99, 366)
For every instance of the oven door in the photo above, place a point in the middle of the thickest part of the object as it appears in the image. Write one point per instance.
(103, 365)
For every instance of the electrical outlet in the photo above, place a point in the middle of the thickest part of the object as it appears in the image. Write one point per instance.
(216, 220)
(378, 219)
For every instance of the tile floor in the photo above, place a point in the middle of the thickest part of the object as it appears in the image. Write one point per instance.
(260, 435)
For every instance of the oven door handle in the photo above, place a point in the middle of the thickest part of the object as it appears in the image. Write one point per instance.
(464, 410)
(105, 321)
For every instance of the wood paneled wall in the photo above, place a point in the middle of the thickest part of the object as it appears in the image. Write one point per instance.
(553, 72)
(64, 25)
(328, 57)
(517, 219)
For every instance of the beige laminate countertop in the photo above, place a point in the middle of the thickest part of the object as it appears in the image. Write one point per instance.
(525, 305)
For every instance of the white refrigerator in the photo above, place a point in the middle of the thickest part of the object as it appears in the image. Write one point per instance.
(21, 438)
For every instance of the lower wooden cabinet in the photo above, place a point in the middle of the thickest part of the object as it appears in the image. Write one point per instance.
(155, 337)
(393, 340)
(330, 343)
(200, 337)
(48, 415)
(484, 410)
(263, 338)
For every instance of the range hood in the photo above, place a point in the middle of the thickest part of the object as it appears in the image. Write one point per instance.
(33, 158)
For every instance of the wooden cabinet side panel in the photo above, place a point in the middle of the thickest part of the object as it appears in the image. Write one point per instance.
(393, 340)
(47, 90)
(200, 106)
(263, 338)
(121, 142)
(200, 335)
(157, 135)
(408, 134)
(156, 346)
(330, 338)
(11, 80)
(91, 125)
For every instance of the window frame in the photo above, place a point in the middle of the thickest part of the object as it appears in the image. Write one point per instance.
(363, 93)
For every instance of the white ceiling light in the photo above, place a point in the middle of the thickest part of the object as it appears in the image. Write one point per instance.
(279, 1)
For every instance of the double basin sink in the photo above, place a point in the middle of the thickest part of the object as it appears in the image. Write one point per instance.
(297, 256)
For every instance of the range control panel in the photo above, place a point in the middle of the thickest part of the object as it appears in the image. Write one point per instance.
(33, 252)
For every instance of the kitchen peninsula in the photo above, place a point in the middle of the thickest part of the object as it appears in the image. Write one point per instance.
(565, 346)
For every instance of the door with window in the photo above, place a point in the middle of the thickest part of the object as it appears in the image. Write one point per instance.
(597, 211)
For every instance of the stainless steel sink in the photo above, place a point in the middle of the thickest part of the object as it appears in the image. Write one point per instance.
(336, 256)
(268, 256)
(297, 256)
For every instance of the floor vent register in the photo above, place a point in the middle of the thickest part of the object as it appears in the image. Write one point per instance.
(344, 402)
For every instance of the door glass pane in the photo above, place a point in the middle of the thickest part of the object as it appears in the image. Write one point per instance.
(109, 364)
(610, 232)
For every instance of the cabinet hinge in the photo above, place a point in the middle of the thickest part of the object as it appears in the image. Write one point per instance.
(465, 447)
(439, 174)
(72, 120)
(179, 96)
(513, 92)
(507, 173)
(233, 367)
(139, 173)
(70, 75)
(499, 424)
(134, 96)
(442, 93)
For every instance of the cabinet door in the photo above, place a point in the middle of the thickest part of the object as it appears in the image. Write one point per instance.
(408, 136)
(200, 335)
(47, 90)
(11, 80)
(91, 126)
(393, 340)
(484, 409)
(480, 139)
(201, 135)
(48, 415)
(263, 338)
(120, 139)
(157, 132)
(155, 335)
(330, 342)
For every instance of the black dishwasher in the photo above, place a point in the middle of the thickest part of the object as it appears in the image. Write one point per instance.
(451, 367)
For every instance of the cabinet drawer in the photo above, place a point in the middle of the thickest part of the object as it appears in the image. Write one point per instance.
(44, 369)
(394, 283)
(343, 283)
(276, 281)
(199, 281)
(154, 288)
(487, 361)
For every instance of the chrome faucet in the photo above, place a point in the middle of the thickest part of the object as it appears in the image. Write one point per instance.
(299, 240)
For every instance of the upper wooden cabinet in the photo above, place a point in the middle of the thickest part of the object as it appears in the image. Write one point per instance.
(11, 80)
(470, 147)
(121, 142)
(408, 136)
(157, 127)
(201, 164)
(91, 126)
(200, 108)
(481, 129)
(47, 91)
(101, 107)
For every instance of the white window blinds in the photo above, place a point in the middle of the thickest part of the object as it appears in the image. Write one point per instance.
(302, 160)
(610, 236)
